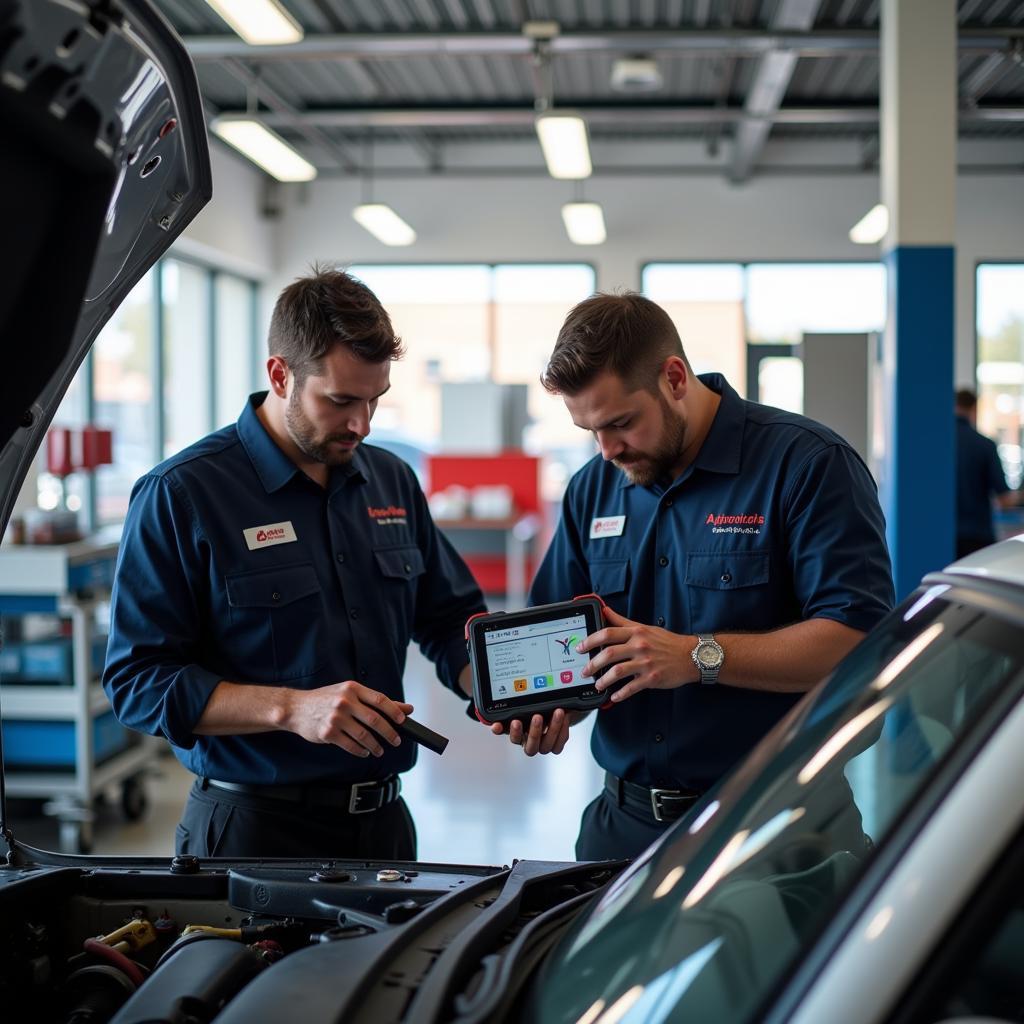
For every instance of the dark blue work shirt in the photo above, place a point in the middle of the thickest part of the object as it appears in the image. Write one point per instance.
(979, 476)
(236, 566)
(776, 521)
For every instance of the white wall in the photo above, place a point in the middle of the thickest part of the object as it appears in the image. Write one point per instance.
(648, 218)
(231, 232)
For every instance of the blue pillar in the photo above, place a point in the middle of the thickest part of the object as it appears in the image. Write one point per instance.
(918, 157)
(918, 490)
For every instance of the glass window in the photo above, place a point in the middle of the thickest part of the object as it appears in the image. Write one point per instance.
(478, 322)
(705, 302)
(125, 399)
(443, 314)
(234, 369)
(531, 303)
(1000, 326)
(787, 300)
(741, 888)
(186, 354)
(721, 308)
(72, 412)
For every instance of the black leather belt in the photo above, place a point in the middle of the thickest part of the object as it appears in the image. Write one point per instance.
(355, 797)
(661, 804)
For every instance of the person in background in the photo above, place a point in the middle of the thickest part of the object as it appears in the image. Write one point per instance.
(979, 479)
(269, 581)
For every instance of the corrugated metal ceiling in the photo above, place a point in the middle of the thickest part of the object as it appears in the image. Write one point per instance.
(843, 78)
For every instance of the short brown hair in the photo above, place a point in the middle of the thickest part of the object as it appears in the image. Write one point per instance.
(329, 307)
(625, 334)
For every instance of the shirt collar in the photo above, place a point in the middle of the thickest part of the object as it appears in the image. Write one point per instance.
(722, 449)
(272, 466)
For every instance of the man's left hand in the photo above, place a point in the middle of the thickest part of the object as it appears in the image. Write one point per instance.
(543, 737)
(654, 657)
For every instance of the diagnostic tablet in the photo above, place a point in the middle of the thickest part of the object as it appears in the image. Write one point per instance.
(526, 662)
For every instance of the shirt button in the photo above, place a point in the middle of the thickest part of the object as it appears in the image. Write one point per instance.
(726, 577)
(340, 557)
(275, 596)
(669, 503)
(658, 737)
(354, 613)
(663, 561)
(661, 620)
(408, 568)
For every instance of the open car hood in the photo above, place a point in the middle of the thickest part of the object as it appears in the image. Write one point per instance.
(103, 162)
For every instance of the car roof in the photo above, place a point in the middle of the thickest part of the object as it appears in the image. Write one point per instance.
(1002, 562)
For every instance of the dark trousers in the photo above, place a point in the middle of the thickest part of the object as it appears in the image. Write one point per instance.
(218, 823)
(610, 832)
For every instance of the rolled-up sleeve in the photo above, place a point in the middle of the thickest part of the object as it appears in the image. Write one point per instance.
(836, 540)
(152, 675)
(446, 597)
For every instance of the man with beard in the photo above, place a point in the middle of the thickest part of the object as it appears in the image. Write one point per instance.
(740, 549)
(269, 581)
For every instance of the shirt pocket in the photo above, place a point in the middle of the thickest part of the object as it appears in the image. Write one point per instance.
(609, 577)
(727, 590)
(400, 570)
(277, 618)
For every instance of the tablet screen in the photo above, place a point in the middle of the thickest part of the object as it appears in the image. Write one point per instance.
(534, 659)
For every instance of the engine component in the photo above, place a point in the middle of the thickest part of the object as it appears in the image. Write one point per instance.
(210, 971)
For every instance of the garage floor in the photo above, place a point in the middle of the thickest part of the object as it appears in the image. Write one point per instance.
(483, 802)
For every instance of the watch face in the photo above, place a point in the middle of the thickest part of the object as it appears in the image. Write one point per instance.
(708, 656)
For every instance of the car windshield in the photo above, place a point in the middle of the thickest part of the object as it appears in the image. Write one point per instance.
(705, 924)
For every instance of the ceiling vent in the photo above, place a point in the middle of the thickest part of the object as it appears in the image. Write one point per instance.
(636, 74)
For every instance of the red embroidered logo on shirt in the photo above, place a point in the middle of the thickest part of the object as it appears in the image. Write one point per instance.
(752, 519)
(751, 522)
(393, 515)
(276, 533)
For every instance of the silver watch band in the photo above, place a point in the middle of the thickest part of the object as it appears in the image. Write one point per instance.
(708, 676)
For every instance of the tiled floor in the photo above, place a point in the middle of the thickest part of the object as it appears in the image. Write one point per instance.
(483, 802)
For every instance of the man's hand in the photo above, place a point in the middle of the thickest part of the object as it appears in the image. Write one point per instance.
(654, 657)
(539, 739)
(349, 715)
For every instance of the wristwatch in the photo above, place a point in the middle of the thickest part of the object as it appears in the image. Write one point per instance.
(708, 657)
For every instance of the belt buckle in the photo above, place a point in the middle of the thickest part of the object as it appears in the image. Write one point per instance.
(656, 797)
(356, 795)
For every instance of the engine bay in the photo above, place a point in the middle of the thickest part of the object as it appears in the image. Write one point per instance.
(187, 941)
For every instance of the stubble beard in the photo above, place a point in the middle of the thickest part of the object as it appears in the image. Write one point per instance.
(303, 435)
(645, 469)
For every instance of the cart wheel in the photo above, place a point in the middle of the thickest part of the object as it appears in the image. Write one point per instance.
(133, 799)
(76, 837)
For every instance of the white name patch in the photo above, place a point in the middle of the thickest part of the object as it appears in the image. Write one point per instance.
(265, 536)
(610, 526)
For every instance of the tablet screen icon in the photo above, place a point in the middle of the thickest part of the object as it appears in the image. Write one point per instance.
(519, 685)
(566, 676)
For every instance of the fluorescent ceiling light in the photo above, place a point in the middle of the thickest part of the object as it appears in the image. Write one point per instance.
(872, 227)
(563, 138)
(384, 224)
(259, 22)
(584, 223)
(263, 147)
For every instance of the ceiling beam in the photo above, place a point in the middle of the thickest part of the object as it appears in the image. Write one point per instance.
(737, 42)
(289, 114)
(599, 115)
(767, 89)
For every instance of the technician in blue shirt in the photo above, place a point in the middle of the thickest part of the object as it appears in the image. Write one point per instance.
(741, 549)
(979, 479)
(268, 584)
